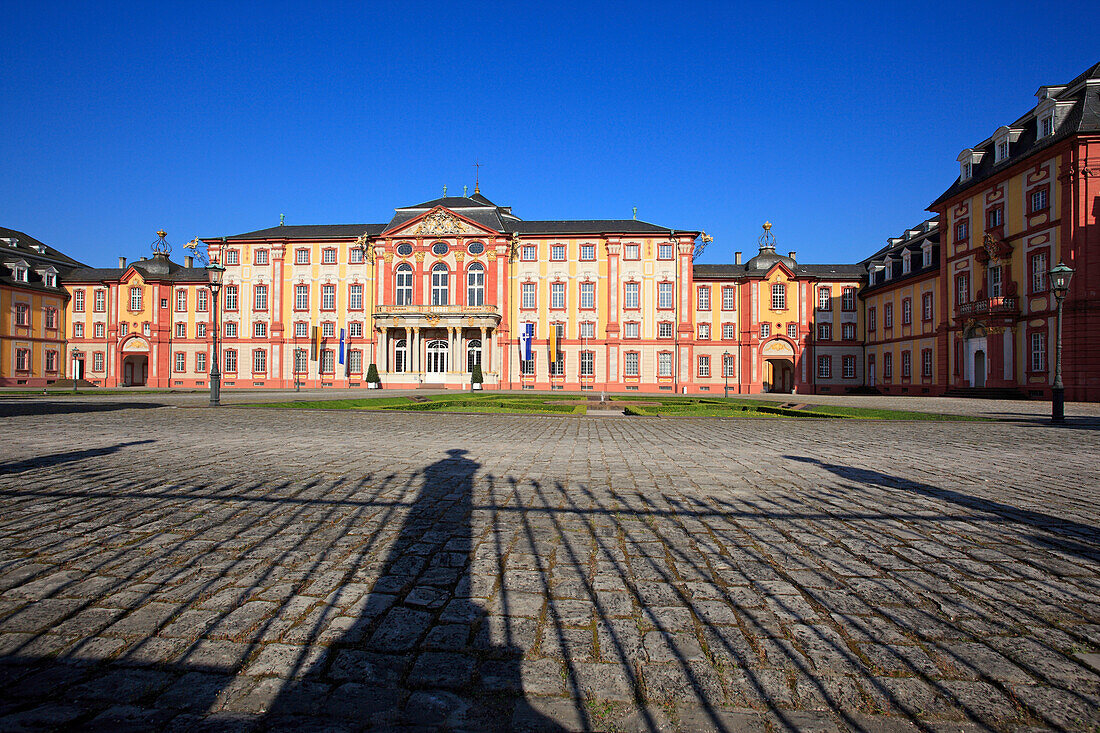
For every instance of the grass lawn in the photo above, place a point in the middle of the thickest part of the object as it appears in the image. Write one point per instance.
(655, 406)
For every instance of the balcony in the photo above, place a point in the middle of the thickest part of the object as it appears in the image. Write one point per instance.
(1004, 305)
(437, 315)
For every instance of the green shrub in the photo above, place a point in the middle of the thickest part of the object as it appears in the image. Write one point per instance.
(372, 374)
(475, 375)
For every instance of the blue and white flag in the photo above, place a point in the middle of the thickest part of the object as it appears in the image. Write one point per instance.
(341, 346)
(525, 338)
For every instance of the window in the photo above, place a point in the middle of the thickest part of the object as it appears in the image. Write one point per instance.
(200, 362)
(21, 273)
(994, 282)
(528, 296)
(355, 256)
(527, 368)
(967, 170)
(22, 360)
(123, 329)
(439, 249)
(1038, 352)
(78, 330)
(100, 331)
(906, 263)
(727, 365)
(440, 284)
(587, 363)
(328, 256)
(664, 251)
(181, 330)
(259, 298)
(301, 256)
(403, 279)
(587, 330)
(962, 231)
(301, 330)
(906, 364)
(529, 253)
(557, 295)
(259, 257)
(779, 297)
(926, 257)
(473, 354)
(906, 311)
(848, 331)
(231, 297)
(328, 361)
(475, 285)
(702, 299)
(181, 301)
(664, 330)
(994, 217)
(164, 302)
(824, 332)
(824, 299)
(630, 364)
(231, 329)
(824, 367)
(259, 361)
(51, 361)
(259, 330)
(200, 330)
(135, 299)
(145, 329)
(181, 362)
(230, 357)
(848, 367)
(631, 330)
(962, 289)
(355, 297)
(557, 252)
(78, 300)
(301, 361)
(22, 314)
(588, 252)
(100, 303)
(729, 332)
(328, 297)
(888, 315)
(404, 249)
(632, 252)
(97, 361)
(201, 302)
(792, 331)
(328, 330)
(664, 295)
(765, 330)
(355, 361)
(729, 299)
(848, 299)
(926, 306)
(1046, 126)
(704, 366)
(704, 331)
(475, 248)
(664, 364)
(301, 297)
(1038, 200)
(588, 295)
(232, 257)
(1039, 272)
(630, 295)
(51, 318)
(557, 368)
(50, 280)
(926, 362)
(1002, 151)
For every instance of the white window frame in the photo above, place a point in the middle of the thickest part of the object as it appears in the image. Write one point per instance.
(779, 296)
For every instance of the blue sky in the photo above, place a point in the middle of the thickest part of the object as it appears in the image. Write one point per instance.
(838, 123)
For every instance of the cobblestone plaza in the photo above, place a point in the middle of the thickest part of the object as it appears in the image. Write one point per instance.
(195, 569)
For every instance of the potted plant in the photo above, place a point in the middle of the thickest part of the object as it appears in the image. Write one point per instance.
(373, 380)
(476, 378)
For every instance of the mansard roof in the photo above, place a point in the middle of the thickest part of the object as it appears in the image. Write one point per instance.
(158, 268)
(16, 246)
(717, 272)
(1082, 117)
(912, 240)
(313, 231)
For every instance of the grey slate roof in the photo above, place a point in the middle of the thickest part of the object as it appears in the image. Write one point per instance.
(588, 226)
(25, 249)
(928, 231)
(157, 267)
(854, 272)
(313, 231)
(1084, 117)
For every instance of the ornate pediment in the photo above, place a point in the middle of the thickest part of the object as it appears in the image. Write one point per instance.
(440, 222)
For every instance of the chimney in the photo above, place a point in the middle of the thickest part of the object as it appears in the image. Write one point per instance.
(791, 255)
(737, 258)
(122, 263)
(188, 261)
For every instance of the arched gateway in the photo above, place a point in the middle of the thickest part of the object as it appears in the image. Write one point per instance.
(778, 355)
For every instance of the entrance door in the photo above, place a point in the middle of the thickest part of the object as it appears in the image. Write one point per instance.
(127, 373)
(436, 366)
(979, 368)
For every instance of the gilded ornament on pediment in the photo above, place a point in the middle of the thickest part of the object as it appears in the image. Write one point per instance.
(438, 223)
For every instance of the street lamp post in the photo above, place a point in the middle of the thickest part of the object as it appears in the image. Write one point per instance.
(726, 372)
(215, 272)
(73, 368)
(1060, 276)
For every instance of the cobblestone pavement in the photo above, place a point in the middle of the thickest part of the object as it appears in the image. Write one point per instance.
(245, 568)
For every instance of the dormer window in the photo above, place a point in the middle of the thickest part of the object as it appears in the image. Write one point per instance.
(51, 280)
(888, 270)
(968, 161)
(20, 274)
(926, 255)
(1046, 125)
(967, 170)
(1002, 150)
(905, 263)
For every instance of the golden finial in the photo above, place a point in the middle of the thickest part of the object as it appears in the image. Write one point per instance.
(767, 225)
(162, 234)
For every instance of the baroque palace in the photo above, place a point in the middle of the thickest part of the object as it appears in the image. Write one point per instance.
(959, 301)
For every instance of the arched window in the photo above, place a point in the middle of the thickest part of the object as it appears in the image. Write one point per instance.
(437, 356)
(404, 282)
(439, 284)
(475, 285)
(473, 354)
(401, 355)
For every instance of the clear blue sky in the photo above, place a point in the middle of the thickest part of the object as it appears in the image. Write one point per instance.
(839, 123)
